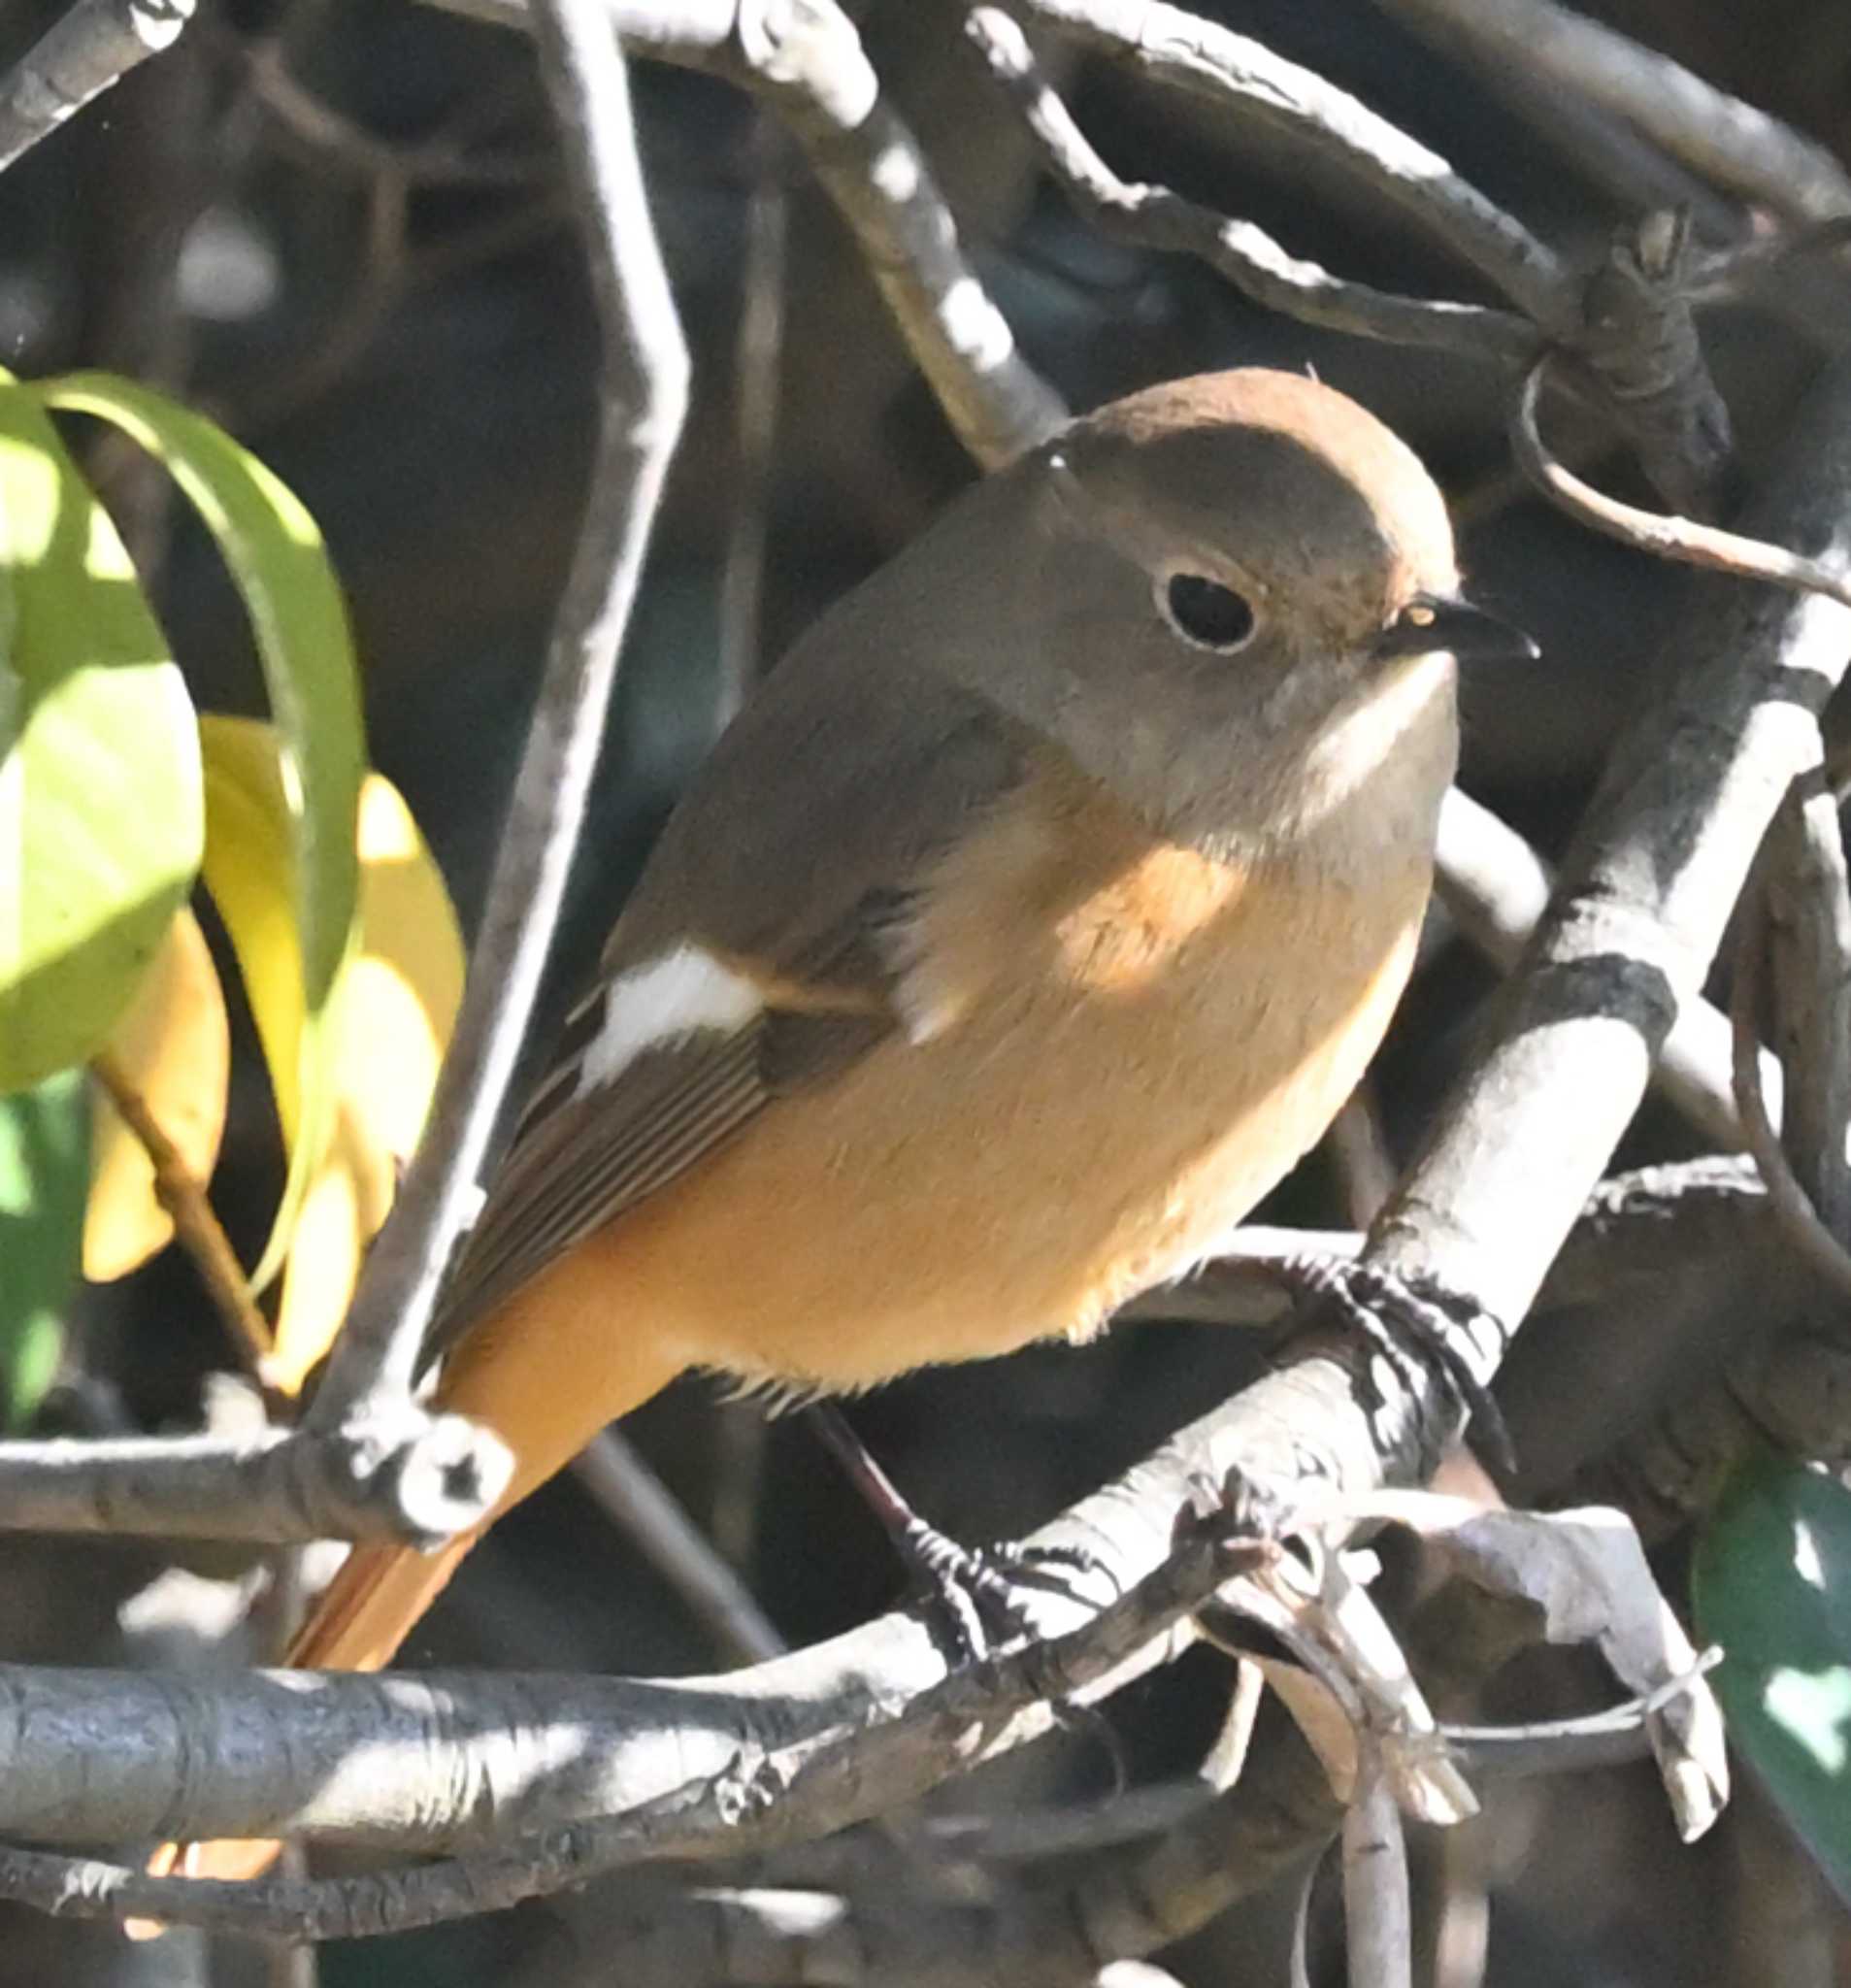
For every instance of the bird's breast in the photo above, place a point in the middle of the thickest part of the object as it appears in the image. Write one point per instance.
(1111, 1057)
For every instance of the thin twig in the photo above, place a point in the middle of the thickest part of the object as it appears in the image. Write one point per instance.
(338, 140)
(1792, 1204)
(1178, 49)
(644, 396)
(1728, 142)
(1245, 255)
(91, 48)
(808, 60)
(805, 57)
(281, 386)
(195, 1222)
(632, 1494)
(758, 371)
(1680, 538)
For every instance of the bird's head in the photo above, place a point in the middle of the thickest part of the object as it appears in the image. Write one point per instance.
(1233, 598)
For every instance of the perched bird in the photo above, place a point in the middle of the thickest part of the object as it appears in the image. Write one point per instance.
(1035, 917)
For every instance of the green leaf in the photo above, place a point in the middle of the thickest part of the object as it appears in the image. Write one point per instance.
(101, 816)
(281, 566)
(1773, 1586)
(44, 1167)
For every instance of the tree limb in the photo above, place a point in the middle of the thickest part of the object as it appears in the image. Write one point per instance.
(96, 44)
(643, 396)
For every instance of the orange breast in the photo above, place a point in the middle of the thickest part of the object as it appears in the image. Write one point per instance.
(1122, 1051)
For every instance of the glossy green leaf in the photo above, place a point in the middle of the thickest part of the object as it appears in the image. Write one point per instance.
(100, 817)
(1773, 1586)
(277, 559)
(45, 1151)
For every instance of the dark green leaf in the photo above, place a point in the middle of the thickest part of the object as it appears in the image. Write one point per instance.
(1774, 1588)
(44, 1167)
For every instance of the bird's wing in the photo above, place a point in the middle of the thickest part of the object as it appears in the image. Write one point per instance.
(758, 955)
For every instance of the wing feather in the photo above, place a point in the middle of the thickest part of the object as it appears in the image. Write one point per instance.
(799, 891)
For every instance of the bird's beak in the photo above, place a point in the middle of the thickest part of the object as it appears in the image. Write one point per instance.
(1433, 622)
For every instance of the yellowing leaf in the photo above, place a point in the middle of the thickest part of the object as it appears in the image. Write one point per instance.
(174, 1046)
(251, 868)
(393, 1016)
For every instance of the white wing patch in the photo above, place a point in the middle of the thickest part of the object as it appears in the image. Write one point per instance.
(679, 994)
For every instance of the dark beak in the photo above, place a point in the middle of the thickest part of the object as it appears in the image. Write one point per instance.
(1431, 622)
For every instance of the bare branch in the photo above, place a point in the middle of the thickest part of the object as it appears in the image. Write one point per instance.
(1246, 256)
(1718, 135)
(806, 56)
(695, 1769)
(1808, 908)
(1378, 1910)
(422, 1480)
(1649, 531)
(96, 44)
(1179, 50)
(1497, 887)
(1644, 899)
(643, 396)
(625, 1488)
(1639, 340)
(758, 371)
(184, 1198)
(1792, 1204)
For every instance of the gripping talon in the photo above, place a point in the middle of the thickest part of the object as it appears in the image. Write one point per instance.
(1403, 1318)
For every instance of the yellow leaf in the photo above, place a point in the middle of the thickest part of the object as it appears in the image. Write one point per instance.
(250, 869)
(174, 1046)
(392, 1020)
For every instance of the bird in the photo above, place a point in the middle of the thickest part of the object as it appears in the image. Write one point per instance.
(1034, 917)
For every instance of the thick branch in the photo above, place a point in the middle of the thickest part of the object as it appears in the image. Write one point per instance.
(1809, 912)
(96, 44)
(423, 1479)
(1497, 888)
(1644, 899)
(89, 1755)
(701, 1770)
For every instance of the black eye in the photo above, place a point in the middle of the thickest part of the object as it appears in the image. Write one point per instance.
(1206, 613)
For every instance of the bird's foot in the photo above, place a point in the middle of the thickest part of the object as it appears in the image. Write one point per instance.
(1406, 1318)
(985, 1595)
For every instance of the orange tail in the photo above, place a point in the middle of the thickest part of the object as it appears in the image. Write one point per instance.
(545, 1373)
(372, 1605)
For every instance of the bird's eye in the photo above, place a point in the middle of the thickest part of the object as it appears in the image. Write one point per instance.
(1205, 613)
